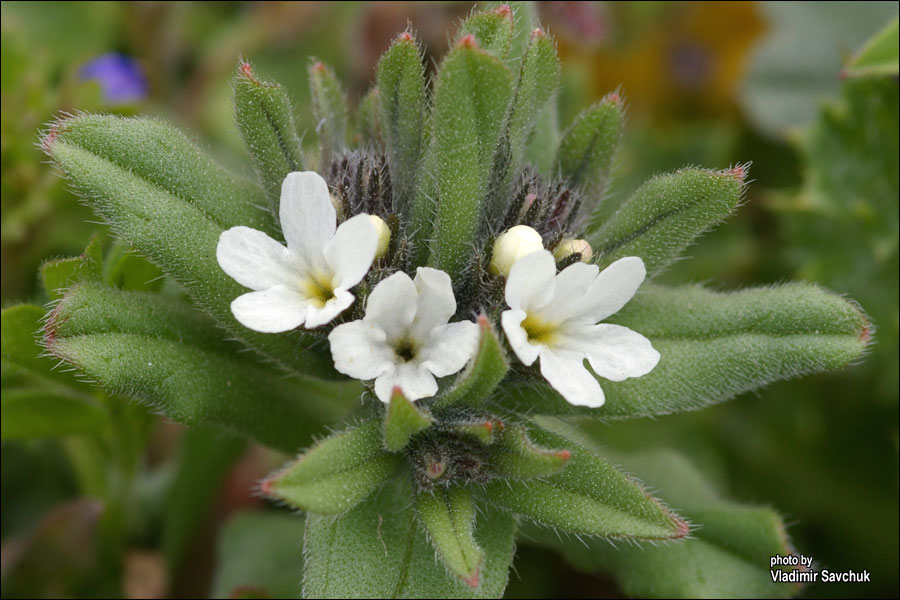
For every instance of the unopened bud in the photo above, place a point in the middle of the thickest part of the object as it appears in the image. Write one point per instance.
(509, 247)
(569, 247)
(384, 235)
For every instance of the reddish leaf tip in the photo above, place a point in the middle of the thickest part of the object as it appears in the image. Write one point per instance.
(614, 97)
(468, 41)
(472, 581)
(318, 67)
(406, 37)
(483, 322)
(504, 11)
(564, 454)
(537, 33)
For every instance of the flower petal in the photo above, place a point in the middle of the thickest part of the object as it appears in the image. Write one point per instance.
(530, 283)
(360, 351)
(612, 289)
(435, 304)
(450, 347)
(566, 373)
(351, 251)
(415, 382)
(392, 305)
(319, 315)
(617, 353)
(570, 287)
(307, 215)
(511, 320)
(255, 260)
(273, 310)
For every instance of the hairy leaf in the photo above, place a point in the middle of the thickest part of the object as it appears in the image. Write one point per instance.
(329, 107)
(403, 420)
(588, 146)
(493, 30)
(448, 515)
(485, 371)
(880, 55)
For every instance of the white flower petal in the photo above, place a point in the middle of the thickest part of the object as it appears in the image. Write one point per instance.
(319, 315)
(435, 303)
(360, 351)
(415, 382)
(450, 347)
(511, 320)
(566, 373)
(255, 260)
(351, 251)
(531, 281)
(392, 304)
(570, 287)
(307, 215)
(273, 310)
(617, 353)
(613, 288)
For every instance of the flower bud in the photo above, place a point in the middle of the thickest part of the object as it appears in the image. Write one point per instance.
(384, 235)
(517, 242)
(568, 247)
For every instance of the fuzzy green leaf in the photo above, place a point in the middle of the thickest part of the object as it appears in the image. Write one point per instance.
(57, 275)
(472, 93)
(168, 200)
(402, 421)
(329, 108)
(590, 497)
(377, 550)
(727, 555)
(265, 119)
(665, 214)
(124, 269)
(485, 371)
(401, 85)
(714, 346)
(880, 55)
(448, 515)
(589, 144)
(259, 555)
(493, 30)
(39, 413)
(337, 473)
(368, 120)
(515, 456)
(21, 325)
(163, 354)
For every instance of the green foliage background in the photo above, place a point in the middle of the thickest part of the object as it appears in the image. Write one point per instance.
(822, 207)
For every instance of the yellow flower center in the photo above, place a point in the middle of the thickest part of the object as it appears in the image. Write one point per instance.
(318, 288)
(539, 331)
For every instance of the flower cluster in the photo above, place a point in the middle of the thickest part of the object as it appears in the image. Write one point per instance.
(406, 339)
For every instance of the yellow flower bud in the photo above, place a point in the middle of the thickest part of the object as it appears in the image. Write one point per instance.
(568, 247)
(384, 235)
(516, 243)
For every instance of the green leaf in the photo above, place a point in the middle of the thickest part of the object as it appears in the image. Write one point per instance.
(483, 430)
(329, 108)
(880, 55)
(401, 85)
(157, 351)
(265, 119)
(493, 30)
(448, 515)
(125, 270)
(471, 96)
(368, 120)
(588, 146)
(484, 372)
(57, 275)
(537, 81)
(590, 497)
(39, 413)
(259, 555)
(726, 556)
(665, 214)
(21, 326)
(168, 200)
(337, 473)
(714, 346)
(402, 421)
(514, 455)
(540, 152)
(377, 550)
(205, 457)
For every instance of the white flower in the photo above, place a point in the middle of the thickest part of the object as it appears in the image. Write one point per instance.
(404, 340)
(554, 318)
(307, 282)
(513, 244)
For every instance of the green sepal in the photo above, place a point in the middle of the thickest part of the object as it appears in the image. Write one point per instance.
(402, 421)
(666, 214)
(484, 372)
(265, 118)
(368, 122)
(330, 110)
(448, 515)
(493, 30)
(590, 497)
(589, 145)
(514, 455)
(485, 431)
(337, 473)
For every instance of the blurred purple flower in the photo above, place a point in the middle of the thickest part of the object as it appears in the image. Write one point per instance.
(120, 77)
